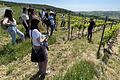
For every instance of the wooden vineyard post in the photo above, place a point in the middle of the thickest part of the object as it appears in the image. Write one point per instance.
(79, 30)
(71, 32)
(98, 53)
(83, 19)
(79, 26)
(69, 26)
(56, 25)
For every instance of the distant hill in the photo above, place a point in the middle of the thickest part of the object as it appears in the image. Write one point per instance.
(110, 14)
(37, 6)
(114, 15)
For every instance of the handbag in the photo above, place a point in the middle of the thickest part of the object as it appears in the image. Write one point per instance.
(37, 55)
(4, 27)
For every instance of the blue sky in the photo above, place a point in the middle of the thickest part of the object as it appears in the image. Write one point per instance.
(79, 5)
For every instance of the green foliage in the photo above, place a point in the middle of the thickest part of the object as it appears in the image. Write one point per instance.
(10, 52)
(82, 70)
(17, 10)
(52, 40)
(86, 25)
(110, 33)
(7, 54)
(2, 32)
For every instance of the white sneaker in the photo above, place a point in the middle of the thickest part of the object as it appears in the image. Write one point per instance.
(47, 72)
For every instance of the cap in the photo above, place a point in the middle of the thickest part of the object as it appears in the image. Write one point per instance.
(51, 12)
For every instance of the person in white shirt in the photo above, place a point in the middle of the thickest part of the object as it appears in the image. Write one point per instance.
(11, 23)
(37, 40)
(42, 15)
(25, 21)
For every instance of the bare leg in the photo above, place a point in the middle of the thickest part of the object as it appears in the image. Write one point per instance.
(44, 63)
(44, 66)
(40, 67)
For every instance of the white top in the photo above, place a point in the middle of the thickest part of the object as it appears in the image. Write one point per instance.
(24, 16)
(6, 21)
(35, 34)
(43, 14)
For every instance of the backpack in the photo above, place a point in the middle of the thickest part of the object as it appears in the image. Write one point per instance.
(2, 25)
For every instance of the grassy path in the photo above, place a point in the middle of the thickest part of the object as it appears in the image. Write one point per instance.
(61, 57)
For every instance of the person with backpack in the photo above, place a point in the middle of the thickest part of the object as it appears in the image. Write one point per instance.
(31, 17)
(54, 16)
(44, 18)
(25, 21)
(46, 21)
(38, 47)
(52, 22)
(90, 28)
(11, 25)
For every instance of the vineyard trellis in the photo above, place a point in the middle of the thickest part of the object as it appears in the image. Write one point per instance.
(100, 25)
(98, 53)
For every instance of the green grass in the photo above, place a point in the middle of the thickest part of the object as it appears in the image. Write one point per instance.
(52, 40)
(1, 6)
(82, 70)
(11, 53)
(17, 10)
(3, 32)
(3, 36)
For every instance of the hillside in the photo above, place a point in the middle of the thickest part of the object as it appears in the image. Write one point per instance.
(36, 6)
(110, 14)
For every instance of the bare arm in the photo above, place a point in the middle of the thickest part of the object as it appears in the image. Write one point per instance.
(25, 23)
(41, 39)
(8, 23)
(23, 16)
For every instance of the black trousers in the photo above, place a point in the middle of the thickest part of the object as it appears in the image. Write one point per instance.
(26, 28)
(89, 34)
(52, 29)
(63, 24)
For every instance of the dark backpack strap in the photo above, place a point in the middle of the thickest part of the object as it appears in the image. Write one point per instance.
(31, 38)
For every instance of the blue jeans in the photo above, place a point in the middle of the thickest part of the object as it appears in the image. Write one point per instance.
(52, 29)
(13, 31)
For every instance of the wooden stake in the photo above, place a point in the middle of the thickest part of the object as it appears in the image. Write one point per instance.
(69, 26)
(98, 53)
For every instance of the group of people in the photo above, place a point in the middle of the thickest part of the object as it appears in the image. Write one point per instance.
(30, 22)
(48, 18)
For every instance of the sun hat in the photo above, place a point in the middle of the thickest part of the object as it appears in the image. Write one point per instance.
(51, 12)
